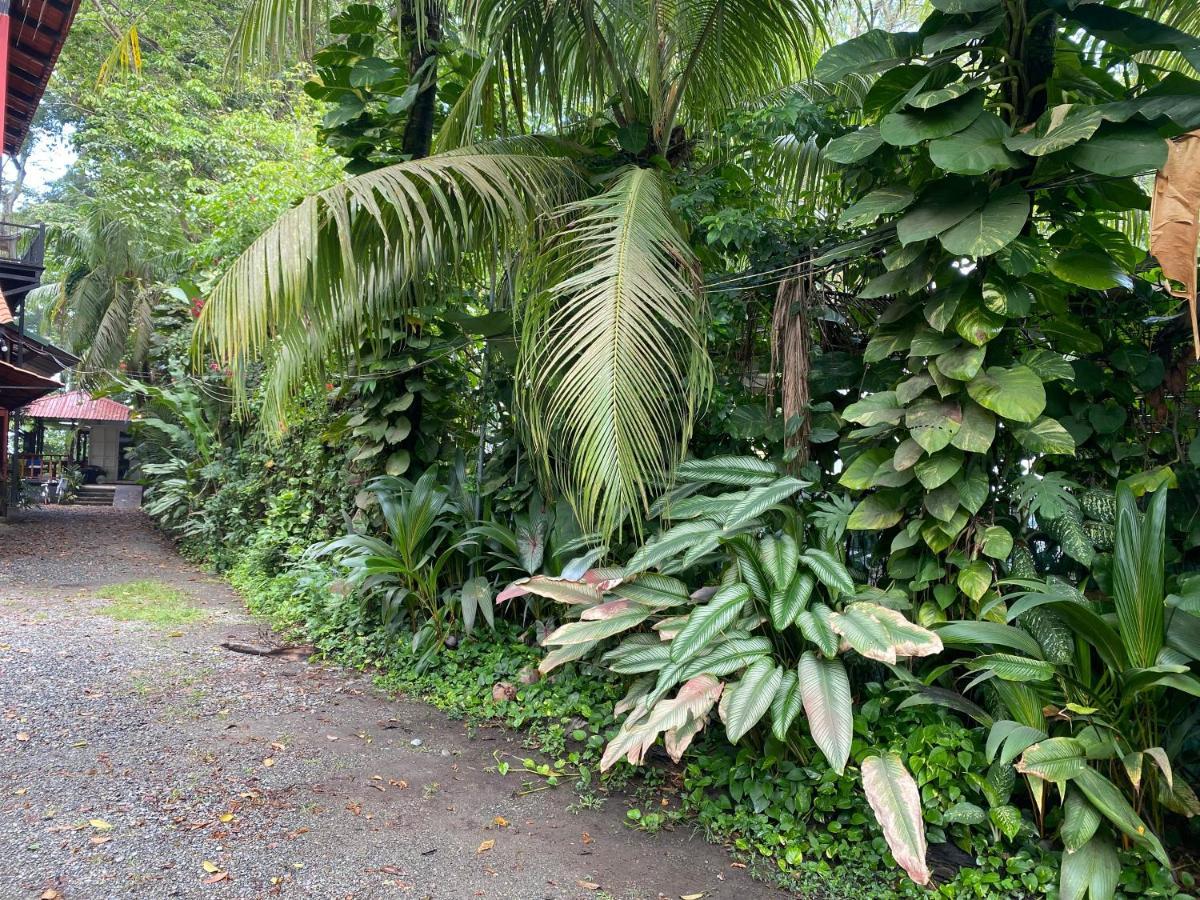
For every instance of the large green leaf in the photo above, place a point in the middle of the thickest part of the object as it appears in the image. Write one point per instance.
(976, 150)
(942, 206)
(1011, 667)
(1046, 435)
(1016, 393)
(883, 634)
(587, 632)
(738, 471)
(681, 538)
(1059, 127)
(875, 512)
(705, 622)
(1090, 872)
(933, 423)
(759, 499)
(778, 557)
(877, 203)
(1138, 576)
(977, 431)
(788, 602)
(814, 625)
(1119, 150)
(874, 409)
(1110, 803)
(896, 802)
(969, 633)
(904, 128)
(1080, 821)
(936, 470)
(1054, 759)
(874, 51)
(748, 701)
(1090, 269)
(825, 689)
(853, 146)
(961, 32)
(990, 229)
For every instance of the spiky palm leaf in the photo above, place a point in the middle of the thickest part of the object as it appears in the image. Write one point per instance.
(614, 363)
(273, 31)
(339, 259)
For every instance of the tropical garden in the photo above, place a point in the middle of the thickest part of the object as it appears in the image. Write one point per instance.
(787, 407)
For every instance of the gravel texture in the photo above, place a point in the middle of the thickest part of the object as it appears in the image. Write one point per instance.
(141, 761)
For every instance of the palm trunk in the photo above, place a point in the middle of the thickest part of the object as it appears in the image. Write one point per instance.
(422, 63)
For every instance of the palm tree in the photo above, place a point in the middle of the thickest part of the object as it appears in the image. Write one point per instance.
(608, 295)
(104, 301)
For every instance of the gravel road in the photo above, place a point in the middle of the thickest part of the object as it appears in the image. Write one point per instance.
(148, 762)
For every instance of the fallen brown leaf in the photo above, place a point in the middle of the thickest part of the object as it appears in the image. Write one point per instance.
(217, 877)
(485, 846)
(500, 822)
(588, 885)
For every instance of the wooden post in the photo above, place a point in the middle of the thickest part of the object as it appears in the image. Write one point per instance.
(5, 23)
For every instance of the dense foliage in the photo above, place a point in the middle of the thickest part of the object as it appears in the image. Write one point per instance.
(650, 367)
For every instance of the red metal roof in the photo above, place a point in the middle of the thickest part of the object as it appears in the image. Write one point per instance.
(37, 33)
(77, 405)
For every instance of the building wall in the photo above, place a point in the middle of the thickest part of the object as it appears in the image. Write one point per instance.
(105, 448)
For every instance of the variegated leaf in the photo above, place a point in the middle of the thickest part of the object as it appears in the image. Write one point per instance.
(896, 802)
(786, 705)
(825, 689)
(747, 701)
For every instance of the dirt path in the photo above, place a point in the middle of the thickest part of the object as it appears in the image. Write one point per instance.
(145, 761)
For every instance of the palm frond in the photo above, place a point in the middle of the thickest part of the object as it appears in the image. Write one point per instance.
(275, 31)
(337, 260)
(613, 361)
(125, 56)
(731, 49)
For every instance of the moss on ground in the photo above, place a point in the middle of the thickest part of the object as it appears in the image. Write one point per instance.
(149, 601)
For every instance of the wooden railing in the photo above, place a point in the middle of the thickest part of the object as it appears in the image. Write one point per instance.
(41, 466)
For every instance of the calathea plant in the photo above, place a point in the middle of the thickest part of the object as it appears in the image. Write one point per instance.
(733, 605)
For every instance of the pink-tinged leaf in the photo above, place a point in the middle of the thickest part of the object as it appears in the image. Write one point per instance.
(896, 802)
(516, 589)
(573, 593)
(883, 634)
(607, 610)
(684, 714)
(603, 580)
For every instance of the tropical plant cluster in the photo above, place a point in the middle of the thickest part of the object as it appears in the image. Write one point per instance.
(803, 437)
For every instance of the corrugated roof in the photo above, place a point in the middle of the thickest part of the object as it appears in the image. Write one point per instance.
(77, 405)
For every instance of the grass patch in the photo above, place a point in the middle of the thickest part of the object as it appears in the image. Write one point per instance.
(149, 601)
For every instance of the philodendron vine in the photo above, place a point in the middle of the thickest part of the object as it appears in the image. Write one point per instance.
(990, 201)
(996, 163)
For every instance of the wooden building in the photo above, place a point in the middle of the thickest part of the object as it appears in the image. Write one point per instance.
(32, 33)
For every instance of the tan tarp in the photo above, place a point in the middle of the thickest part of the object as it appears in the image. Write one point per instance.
(1175, 219)
(6, 315)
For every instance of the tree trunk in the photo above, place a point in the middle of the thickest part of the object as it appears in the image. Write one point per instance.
(422, 53)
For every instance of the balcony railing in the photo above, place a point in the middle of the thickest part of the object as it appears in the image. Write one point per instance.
(25, 244)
